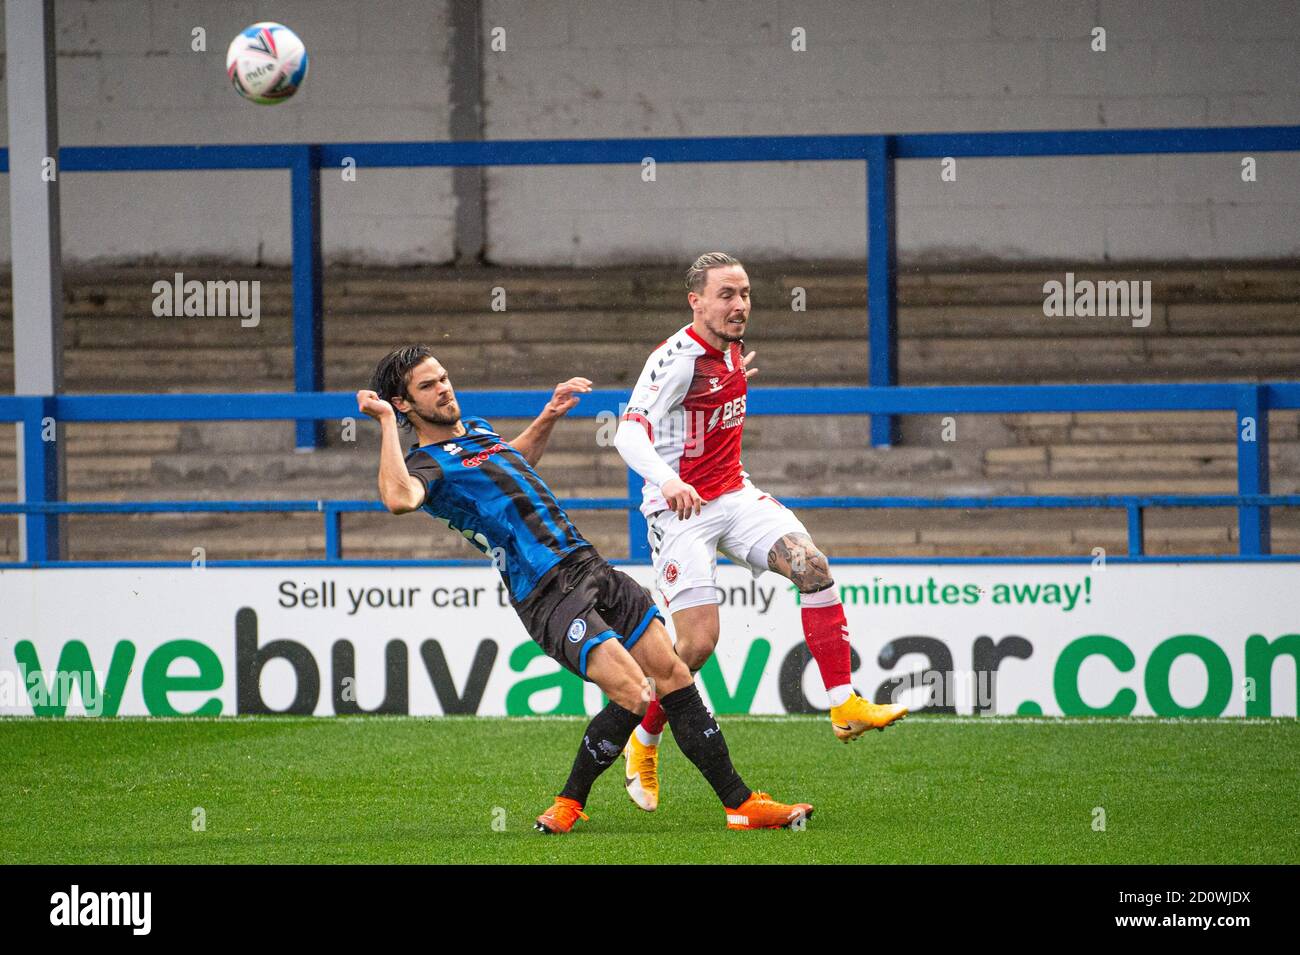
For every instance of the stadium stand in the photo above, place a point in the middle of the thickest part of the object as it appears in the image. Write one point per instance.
(973, 326)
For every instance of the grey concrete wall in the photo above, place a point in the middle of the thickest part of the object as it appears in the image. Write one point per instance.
(127, 75)
(727, 68)
(579, 68)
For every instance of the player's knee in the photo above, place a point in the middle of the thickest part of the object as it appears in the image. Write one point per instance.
(665, 672)
(815, 574)
(675, 676)
(693, 655)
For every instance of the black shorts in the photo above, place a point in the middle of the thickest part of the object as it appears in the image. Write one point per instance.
(580, 603)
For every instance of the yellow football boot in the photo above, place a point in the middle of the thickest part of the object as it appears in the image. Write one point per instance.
(641, 773)
(855, 716)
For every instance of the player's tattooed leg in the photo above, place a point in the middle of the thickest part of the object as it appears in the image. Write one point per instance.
(796, 557)
(825, 628)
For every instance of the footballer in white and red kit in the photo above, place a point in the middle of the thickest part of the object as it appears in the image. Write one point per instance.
(690, 402)
(682, 432)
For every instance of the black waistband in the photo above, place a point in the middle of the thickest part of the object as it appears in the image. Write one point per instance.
(580, 557)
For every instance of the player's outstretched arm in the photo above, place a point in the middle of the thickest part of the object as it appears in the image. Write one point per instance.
(400, 490)
(532, 442)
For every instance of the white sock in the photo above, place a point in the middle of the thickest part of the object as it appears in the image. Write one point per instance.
(839, 695)
(827, 597)
(652, 739)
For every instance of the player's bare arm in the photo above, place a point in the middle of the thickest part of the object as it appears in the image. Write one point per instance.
(400, 491)
(532, 441)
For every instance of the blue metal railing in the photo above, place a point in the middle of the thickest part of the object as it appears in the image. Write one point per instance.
(877, 152)
(1251, 404)
(331, 512)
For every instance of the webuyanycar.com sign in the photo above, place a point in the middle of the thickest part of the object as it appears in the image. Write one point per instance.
(1165, 640)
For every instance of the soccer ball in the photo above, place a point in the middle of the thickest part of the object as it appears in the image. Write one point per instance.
(266, 63)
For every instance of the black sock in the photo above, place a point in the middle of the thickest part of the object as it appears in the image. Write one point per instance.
(603, 742)
(698, 736)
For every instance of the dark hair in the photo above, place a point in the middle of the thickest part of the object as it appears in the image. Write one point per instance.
(392, 372)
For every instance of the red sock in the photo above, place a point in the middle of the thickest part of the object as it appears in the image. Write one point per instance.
(654, 719)
(827, 633)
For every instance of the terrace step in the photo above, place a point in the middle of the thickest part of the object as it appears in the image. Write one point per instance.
(955, 327)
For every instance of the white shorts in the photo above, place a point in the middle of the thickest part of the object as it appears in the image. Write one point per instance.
(743, 524)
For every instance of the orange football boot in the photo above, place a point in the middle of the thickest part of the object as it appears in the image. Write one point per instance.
(761, 811)
(564, 812)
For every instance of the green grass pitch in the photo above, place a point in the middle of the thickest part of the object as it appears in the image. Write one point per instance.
(465, 789)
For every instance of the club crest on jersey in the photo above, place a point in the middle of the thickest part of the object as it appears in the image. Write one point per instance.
(671, 571)
(713, 385)
(577, 630)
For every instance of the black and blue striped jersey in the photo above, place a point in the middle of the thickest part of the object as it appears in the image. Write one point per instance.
(486, 490)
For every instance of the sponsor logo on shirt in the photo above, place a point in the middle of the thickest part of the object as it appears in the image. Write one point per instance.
(482, 456)
(731, 414)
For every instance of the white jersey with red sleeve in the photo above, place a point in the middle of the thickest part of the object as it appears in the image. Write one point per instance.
(690, 399)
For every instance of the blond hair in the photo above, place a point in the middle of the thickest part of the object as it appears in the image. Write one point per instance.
(698, 274)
